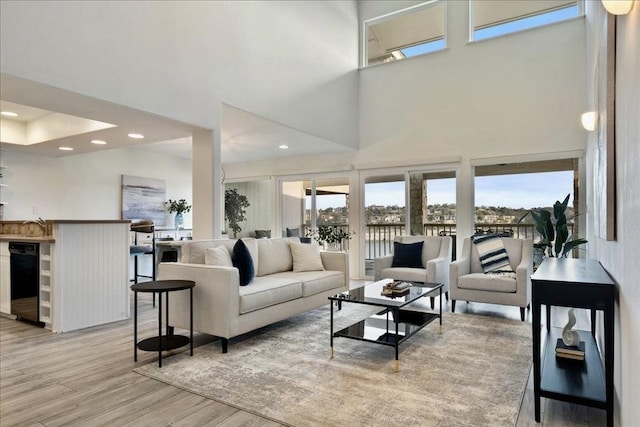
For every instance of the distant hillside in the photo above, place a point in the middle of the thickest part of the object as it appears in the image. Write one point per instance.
(437, 213)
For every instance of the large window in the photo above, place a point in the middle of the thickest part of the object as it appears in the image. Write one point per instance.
(504, 193)
(409, 32)
(493, 18)
(406, 203)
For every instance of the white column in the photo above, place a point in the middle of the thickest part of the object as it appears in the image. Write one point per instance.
(208, 203)
(465, 201)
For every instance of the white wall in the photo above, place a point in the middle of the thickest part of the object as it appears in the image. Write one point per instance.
(86, 186)
(291, 62)
(518, 94)
(619, 257)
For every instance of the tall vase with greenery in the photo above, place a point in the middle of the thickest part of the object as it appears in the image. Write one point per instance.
(179, 207)
(555, 238)
(235, 205)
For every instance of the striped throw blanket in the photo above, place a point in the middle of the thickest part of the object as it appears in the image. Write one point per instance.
(493, 255)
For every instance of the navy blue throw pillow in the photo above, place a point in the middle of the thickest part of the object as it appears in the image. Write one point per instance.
(407, 255)
(242, 261)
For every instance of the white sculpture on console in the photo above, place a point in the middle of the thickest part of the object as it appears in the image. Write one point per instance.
(569, 336)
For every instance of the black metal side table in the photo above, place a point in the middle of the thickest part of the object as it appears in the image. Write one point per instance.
(169, 341)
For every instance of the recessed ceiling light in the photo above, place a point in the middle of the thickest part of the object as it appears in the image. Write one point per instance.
(283, 147)
(65, 148)
(9, 114)
(135, 135)
(98, 142)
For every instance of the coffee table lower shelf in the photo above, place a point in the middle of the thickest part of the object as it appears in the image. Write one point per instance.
(387, 332)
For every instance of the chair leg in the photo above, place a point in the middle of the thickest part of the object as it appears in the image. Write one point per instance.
(225, 344)
(522, 313)
(446, 295)
(453, 306)
(432, 302)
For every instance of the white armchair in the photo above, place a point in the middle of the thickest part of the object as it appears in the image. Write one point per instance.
(469, 282)
(436, 257)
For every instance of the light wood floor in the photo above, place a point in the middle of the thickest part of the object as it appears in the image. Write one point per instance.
(85, 378)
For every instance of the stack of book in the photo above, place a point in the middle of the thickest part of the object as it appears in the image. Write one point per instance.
(569, 352)
(396, 288)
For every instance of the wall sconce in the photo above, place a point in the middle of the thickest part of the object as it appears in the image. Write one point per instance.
(618, 7)
(589, 120)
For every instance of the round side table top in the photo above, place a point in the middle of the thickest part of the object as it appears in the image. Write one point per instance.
(163, 285)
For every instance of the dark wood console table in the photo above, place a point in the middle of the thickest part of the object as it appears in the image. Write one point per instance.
(579, 283)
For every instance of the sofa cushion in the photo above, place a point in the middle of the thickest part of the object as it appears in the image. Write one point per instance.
(404, 273)
(305, 257)
(274, 256)
(314, 282)
(263, 234)
(243, 262)
(218, 256)
(193, 252)
(492, 254)
(487, 282)
(407, 254)
(293, 232)
(267, 291)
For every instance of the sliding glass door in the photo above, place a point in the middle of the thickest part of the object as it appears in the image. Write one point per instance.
(412, 202)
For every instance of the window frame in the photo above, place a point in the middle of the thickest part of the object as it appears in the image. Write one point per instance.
(472, 30)
(364, 60)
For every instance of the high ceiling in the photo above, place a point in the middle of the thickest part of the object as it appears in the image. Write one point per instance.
(49, 118)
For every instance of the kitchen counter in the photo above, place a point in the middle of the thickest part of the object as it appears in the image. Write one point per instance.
(24, 238)
(30, 231)
(83, 270)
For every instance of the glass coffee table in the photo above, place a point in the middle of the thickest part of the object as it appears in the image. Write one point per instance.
(395, 322)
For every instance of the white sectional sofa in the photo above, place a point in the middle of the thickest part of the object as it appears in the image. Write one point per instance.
(223, 308)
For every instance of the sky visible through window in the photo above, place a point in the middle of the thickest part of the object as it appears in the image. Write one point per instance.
(526, 23)
(527, 191)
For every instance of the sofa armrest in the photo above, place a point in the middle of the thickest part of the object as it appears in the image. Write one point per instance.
(524, 270)
(336, 261)
(216, 297)
(458, 268)
(381, 263)
(438, 271)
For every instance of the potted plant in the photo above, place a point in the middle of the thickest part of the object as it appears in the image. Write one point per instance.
(234, 209)
(179, 207)
(330, 235)
(555, 239)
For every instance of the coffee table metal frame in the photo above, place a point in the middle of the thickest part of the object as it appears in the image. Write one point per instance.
(394, 305)
(169, 341)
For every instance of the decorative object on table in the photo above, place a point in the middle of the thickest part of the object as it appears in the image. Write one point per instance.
(235, 205)
(569, 336)
(396, 288)
(143, 198)
(570, 352)
(330, 236)
(555, 239)
(179, 207)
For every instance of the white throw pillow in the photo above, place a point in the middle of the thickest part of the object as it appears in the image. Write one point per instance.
(305, 257)
(218, 256)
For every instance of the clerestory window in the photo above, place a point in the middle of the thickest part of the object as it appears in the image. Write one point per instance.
(493, 18)
(405, 33)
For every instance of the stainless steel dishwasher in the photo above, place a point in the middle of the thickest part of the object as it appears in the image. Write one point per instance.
(24, 258)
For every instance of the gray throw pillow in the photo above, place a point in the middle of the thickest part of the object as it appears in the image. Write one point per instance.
(263, 234)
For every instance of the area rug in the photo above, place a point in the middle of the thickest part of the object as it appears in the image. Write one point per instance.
(474, 373)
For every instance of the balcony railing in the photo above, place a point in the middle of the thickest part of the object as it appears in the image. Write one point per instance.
(379, 237)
